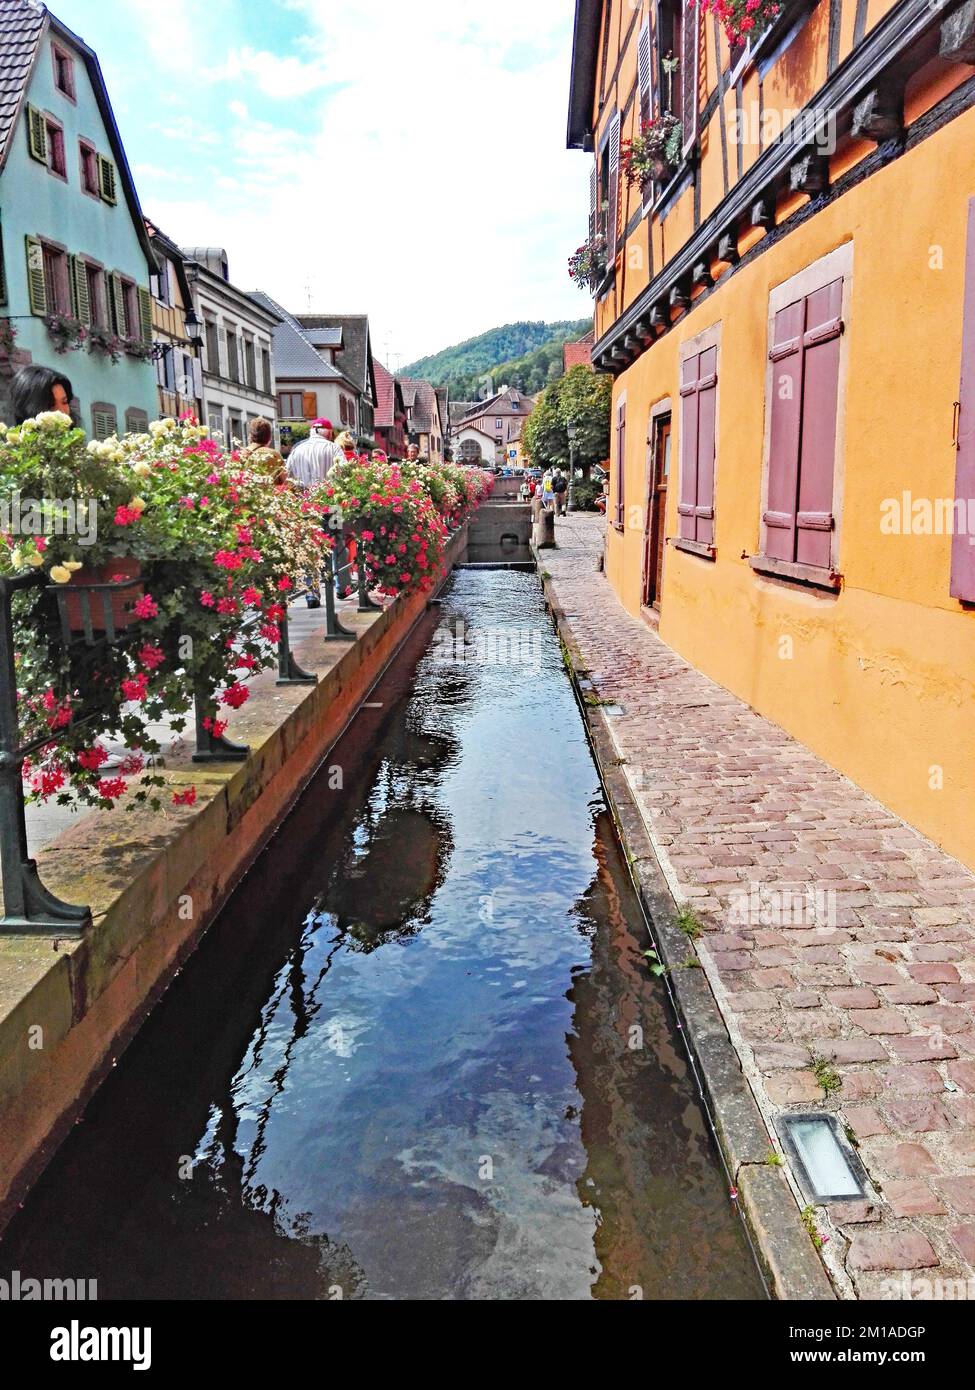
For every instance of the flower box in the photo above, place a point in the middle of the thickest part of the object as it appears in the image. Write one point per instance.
(123, 577)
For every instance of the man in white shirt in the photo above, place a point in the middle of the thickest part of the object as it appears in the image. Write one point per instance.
(311, 461)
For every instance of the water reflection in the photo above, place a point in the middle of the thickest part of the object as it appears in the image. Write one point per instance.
(401, 1065)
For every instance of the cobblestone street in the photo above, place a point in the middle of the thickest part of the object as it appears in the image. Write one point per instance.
(874, 989)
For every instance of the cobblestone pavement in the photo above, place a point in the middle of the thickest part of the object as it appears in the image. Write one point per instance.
(839, 942)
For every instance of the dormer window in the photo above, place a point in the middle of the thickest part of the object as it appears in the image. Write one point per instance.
(63, 71)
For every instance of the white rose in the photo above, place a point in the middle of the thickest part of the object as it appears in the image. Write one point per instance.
(17, 559)
(35, 561)
(54, 420)
(142, 470)
(61, 574)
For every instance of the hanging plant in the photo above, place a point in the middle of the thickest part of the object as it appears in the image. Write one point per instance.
(137, 348)
(105, 342)
(587, 264)
(8, 336)
(654, 152)
(67, 332)
(742, 20)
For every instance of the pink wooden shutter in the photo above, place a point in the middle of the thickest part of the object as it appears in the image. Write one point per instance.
(707, 408)
(820, 391)
(613, 153)
(699, 400)
(620, 463)
(962, 549)
(785, 431)
(687, 506)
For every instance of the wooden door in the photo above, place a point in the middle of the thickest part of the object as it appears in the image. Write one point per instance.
(656, 532)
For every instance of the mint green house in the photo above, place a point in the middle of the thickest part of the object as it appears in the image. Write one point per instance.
(75, 256)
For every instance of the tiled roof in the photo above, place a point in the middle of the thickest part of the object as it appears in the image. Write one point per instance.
(409, 389)
(354, 355)
(324, 337)
(386, 398)
(294, 357)
(21, 23)
(424, 402)
(579, 353)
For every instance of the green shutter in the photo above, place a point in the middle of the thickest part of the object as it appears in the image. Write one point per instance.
(145, 315)
(106, 180)
(104, 421)
(36, 283)
(116, 294)
(37, 134)
(79, 283)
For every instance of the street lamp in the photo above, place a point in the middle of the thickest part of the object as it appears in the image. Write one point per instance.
(571, 430)
(193, 329)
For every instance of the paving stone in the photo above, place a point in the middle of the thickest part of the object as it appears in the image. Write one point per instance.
(853, 998)
(891, 1250)
(911, 1197)
(921, 1114)
(879, 1021)
(960, 1193)
(848, 1049)
(793, 1088)
(911, 1080)
(907, 1161)
(934, 974)
(964, 1238)
(910, 994)
(775, 1056)
(853, 1213)
(877, 974)
(752, 1001)
(927, 1047)
(963, 1075)
(864, 1120)
(802, 999)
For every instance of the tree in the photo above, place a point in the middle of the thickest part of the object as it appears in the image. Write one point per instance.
(583, 398)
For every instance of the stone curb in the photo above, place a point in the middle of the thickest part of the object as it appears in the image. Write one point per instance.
(790, 1263)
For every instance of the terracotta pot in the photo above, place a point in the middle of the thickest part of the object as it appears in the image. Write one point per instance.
(122, 600)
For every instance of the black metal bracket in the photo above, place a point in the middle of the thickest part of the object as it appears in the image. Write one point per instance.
(289, 672)
(215, 748)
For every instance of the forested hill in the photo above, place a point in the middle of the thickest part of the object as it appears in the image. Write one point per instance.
(526, 355)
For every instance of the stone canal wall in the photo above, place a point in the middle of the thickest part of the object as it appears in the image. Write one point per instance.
(156, 882)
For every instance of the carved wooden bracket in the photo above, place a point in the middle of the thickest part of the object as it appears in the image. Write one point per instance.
(879, 115)
(958, 35)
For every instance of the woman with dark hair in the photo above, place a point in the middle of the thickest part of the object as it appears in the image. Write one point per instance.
(36, 390)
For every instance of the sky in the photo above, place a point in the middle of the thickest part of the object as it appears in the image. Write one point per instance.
(405, 160)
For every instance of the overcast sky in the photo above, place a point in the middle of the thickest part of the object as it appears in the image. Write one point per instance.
(284, 129)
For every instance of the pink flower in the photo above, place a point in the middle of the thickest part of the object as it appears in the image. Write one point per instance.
(125, 516)
(285, 585)
(207, 600)
(236, 695)
(227, 606)
(136, 688)
(111, 788)
(151, 657)
(146, 607)
(91, 759)
(187, 798)
(251, 598)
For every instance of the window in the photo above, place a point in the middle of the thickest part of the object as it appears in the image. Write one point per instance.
(670, 45)
(645, 73)
(213, 348)
(250, 365)
(63, 71)
(806, 352)
(97, 303)
(215, 419)
(130, 300)
(233, 359)
(136, 421)
(620, 465)
(104, 420)
(89, 169)
(698, 435)
(162, 285)
(291, 405)
(236, 428)
(56, 158)
(266, 371)
(56, 282)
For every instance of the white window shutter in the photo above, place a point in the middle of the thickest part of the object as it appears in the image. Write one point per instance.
(644, 70)
(593, 185)
(690, 59)
(614, 188)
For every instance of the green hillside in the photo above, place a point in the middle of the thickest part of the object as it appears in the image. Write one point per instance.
(525, 355)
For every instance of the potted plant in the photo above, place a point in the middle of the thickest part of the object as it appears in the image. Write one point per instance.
(587, 264)
(104, 341)
(137, 348)
(651, 155)
(743, 20)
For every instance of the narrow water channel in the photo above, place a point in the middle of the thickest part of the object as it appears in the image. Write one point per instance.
(420, 1055)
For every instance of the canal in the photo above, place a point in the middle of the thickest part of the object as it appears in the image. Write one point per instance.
(420, 1055)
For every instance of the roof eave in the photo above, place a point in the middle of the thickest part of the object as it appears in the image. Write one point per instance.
(582, 87)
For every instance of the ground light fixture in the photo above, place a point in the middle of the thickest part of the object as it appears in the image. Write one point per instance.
(824, 1162)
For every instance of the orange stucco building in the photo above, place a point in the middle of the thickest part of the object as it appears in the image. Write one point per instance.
(788, 309)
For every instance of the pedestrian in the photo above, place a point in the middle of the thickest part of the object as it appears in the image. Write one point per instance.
(261, 455)
(548, 491)
(413, 454)
(525, 491)
(560, 486)
(311, 461)
(345, 444)
(37, 390)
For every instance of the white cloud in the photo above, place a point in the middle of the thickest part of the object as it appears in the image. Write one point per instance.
(405, 161)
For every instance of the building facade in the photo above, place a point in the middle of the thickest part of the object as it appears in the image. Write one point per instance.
(238, 375)
(308, 386)
(424, 425)
(346, 339)
(179, 369)
(75, 257)
(390, 413)
(501, 418)
(788, 310)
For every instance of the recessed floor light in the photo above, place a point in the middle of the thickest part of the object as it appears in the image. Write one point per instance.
(825, 1163)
